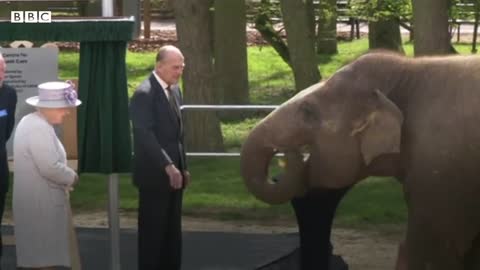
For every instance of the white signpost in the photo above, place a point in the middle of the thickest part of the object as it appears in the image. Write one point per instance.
(26, 68)
(113, 218)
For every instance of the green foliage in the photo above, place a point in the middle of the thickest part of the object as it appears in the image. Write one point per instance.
(463, 9)
(374, 10)
(326, 11)
(264, 8)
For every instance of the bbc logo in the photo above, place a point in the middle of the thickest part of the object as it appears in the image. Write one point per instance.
(31, 17)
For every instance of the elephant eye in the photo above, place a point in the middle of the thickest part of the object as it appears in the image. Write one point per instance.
(309, 112)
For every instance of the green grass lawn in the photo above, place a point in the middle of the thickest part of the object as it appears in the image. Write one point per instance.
(217, 190)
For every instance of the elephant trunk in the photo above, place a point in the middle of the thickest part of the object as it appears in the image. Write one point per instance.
(255, 159)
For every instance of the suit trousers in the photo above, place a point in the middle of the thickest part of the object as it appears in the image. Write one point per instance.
(159, 229)
(315, 212)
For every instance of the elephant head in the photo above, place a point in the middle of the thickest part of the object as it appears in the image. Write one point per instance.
(344, 123)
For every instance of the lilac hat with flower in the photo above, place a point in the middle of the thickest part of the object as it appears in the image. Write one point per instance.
(55, 95)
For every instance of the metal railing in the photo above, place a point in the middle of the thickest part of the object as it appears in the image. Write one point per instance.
(223, 108)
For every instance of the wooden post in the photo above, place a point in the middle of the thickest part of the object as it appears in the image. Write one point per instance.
(146, 18)
(69, 138)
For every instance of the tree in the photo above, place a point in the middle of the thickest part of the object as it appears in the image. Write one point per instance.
(265, 26)
(230, 49)
(310, 12)
(430, 22)
(146, 18)
(303, 59)
(385, 34)
(384, 17)
(327, 27)
(384, 31)
(193, 27)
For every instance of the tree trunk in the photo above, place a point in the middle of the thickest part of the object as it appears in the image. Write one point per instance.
(310, 8)
(385, 34)
(327, 27)
(264, 26)
(192, 22)
(146, 18)
(300, 43)
(230, 48)
(430, 22)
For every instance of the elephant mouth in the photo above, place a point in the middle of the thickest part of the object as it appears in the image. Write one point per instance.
(257, 170)
(283, 152)
(293, 162)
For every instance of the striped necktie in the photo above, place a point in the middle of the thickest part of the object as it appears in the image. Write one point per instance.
(172, 101)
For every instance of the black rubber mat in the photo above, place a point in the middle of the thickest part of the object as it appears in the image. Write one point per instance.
(202, 250)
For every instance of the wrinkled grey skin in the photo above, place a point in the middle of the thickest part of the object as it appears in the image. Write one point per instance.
(383, 114)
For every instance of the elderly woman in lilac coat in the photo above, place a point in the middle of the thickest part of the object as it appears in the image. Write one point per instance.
(42, 181)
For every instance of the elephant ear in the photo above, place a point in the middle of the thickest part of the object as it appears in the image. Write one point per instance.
(381, 133)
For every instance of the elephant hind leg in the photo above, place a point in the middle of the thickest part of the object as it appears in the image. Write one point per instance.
(472, 258)
(401, 263)
(424, 252)
(446, 262)
(444, 257)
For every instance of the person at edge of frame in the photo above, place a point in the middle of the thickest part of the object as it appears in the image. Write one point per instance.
(8, 103)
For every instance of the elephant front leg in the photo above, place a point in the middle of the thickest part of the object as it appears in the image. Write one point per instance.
(415, 243)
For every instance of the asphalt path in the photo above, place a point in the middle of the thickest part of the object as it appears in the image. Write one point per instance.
(201, 250)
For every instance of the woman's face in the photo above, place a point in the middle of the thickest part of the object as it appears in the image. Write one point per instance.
(55, 116)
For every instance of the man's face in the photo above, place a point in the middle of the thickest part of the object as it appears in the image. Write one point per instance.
(170, 69)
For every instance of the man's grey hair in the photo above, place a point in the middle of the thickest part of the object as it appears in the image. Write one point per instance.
(164, 51)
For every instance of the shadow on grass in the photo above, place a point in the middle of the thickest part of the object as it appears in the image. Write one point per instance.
(273, 76)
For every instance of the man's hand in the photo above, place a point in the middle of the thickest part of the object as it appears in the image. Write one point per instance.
(186, 178)
(174, 175)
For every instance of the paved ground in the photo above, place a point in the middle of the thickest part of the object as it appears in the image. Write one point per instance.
(202, 250)
(341, 27)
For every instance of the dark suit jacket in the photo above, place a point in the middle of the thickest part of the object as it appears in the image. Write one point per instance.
(158, 134)
(8, 102)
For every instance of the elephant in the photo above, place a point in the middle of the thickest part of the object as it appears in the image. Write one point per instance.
(417, 119)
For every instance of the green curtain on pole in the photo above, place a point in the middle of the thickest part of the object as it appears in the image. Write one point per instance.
(104, 143)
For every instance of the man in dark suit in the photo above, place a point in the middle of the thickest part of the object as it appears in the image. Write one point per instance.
(160, 169)
(8, 103)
